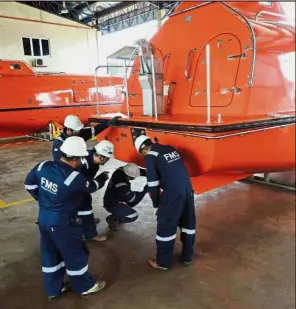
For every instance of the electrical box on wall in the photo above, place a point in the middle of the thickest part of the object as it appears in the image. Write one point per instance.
(38, 62)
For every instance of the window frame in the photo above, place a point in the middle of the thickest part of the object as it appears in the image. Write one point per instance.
(40, 46)
(266, 3)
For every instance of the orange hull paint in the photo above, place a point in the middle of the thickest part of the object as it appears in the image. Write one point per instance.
(29, 101)
(251, 56)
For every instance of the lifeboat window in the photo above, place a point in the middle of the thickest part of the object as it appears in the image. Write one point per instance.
(266, 3)
(15, 66)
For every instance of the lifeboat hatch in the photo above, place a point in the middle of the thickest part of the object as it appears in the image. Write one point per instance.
(136, 132)
(225, 56)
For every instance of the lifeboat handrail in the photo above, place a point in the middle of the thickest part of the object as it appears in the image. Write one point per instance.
(187, 63)
(208, 68)
(96, 81)
(192, 8)
(271, 14)
(154, 87)
(49, 73)
(253, 39)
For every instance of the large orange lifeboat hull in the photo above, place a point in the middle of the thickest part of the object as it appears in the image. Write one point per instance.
(245, 123)
(30, 100)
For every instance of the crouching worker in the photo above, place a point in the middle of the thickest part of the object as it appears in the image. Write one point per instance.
(119, 199)
(89, 167)
(59, 189)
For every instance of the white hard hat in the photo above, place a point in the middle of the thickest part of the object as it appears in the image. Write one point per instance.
(73, 122)
(132, 170)
(105, 148)
(140, 140)
(74, 146)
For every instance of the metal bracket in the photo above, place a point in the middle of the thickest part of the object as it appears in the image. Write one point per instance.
(136, 132)
(242, 56)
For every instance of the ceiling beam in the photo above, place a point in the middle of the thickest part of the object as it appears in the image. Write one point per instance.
(82, 5)
(109, 10)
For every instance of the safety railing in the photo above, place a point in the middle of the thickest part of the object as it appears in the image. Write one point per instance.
(208, 63)
(125, 84)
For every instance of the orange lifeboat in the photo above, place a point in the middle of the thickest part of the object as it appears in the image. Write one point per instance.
(31, 100)
(215, 82)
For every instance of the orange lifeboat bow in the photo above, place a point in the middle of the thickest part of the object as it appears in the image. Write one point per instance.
(215, 82)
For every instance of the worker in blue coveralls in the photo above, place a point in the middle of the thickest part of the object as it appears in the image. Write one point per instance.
(119, 199)
(89, 167)
(74, 127)
(175, 206)
(59, 187)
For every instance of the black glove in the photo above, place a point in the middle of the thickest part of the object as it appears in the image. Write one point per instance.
(102, 178)
(114, 120)
(145, 188)
(155, 205)
(143, 172)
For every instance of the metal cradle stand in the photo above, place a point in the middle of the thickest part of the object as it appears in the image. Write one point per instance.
(267, 180)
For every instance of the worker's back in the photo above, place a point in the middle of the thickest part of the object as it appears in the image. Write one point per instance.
(59, 189)
(117, 185)
(169, 167)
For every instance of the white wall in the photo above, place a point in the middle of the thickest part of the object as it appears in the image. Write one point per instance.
(73, 47)
(110, 43)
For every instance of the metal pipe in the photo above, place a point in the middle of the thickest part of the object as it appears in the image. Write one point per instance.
(97, 93)
(221, 136)
(271, 14)
(188, 62)
(154, 87)
(126, 91)
(253, 38)
(208, 59)
(96, 82)
(50, 131)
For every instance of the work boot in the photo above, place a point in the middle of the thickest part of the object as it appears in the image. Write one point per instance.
(99, 238)
(113, 222)
(153, 263)
(187, 263)
(65, 288)
(99, 285)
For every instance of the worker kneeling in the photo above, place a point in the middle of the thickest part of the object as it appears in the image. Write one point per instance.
(119, 199)
(59, 187)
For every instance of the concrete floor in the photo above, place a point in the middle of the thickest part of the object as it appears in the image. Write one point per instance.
(245, 234)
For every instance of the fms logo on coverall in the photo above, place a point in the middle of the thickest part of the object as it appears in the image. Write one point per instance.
(172, 156)
(49, 186)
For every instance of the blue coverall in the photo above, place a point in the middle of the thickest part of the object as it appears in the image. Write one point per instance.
(86, 213)
(59, 190)
(166, 171)
(119, 199)
(86, 133)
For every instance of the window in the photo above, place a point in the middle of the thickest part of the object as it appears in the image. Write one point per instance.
(36, 47)
(266, 3)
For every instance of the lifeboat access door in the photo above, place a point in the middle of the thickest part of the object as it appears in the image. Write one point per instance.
(225, 56)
